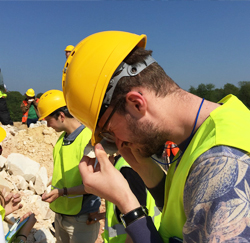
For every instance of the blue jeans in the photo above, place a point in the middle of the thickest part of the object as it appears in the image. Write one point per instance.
(29, 121)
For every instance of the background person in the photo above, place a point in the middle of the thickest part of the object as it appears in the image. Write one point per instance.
(10, 202)
(5, 118)
(29, 108)
(143, 108)
(68, 198)
(68, 50)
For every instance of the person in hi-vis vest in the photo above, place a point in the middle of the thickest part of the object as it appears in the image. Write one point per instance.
(5, 118)
(29, 108)
(68, 198)
(132, 102)
(9, 203)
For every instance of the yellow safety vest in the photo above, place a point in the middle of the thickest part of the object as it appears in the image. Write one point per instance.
(114, 231)
(2, 94)
(2, 212)
(220, 128)
(66, 172)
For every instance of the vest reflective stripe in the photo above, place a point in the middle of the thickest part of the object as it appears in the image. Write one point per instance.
(218, 129)
(2, 212)
(66, 172)
(155, 213)
(114, 230)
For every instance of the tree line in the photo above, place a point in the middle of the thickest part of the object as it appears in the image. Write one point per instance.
(206, 91)
(209, 92)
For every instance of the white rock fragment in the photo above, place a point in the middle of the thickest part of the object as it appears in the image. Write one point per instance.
(41, 181)
(2, 161)
(5, 184)
(20, 182)
(18, 164)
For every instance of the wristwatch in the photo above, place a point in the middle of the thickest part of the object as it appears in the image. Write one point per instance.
(65, 192)
(133, 215)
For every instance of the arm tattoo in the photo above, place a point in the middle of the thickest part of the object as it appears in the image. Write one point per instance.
(217, 197)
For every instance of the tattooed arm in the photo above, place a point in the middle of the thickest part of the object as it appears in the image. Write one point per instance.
(217, 197)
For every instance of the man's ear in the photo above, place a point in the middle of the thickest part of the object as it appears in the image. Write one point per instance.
(136, 104)
(62, 116)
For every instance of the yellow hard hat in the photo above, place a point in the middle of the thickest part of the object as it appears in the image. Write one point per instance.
(49, 102)
(30, 92)
(2, 134)
(69, 48)
(88, 70)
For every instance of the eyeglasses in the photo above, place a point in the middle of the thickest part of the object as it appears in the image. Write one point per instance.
(107, 135)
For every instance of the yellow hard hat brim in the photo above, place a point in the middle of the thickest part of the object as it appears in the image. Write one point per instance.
(50, 101)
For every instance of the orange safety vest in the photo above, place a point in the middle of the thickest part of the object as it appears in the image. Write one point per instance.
(25, 114)
(171, 148)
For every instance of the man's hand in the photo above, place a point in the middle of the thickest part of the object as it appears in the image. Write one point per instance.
(12, 202)
(95, 217)
(150, 172)
(35, 103)
(106, 181)
(51, 196)
(133, 157)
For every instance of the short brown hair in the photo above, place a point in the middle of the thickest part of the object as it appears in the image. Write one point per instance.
(153, 78)
(58, 111)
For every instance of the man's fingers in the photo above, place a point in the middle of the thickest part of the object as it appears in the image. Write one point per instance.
(45, 196)
(100, 153)
(89, 222)
(87, 164)
(17, 195)
(16, 200)
(20, 206)
(4, 192)
(97, 167)
(87, 160)
(8, 197)
(84, 167)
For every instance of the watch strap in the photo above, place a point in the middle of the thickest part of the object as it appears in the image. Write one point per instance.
(133, 215)
(65, 192)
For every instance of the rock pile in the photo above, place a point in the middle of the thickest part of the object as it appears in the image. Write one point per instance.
(26, 167)
(36, 142)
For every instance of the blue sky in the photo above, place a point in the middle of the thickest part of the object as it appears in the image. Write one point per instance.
(194, 41)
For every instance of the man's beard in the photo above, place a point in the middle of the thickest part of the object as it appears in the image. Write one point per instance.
(149, 137)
